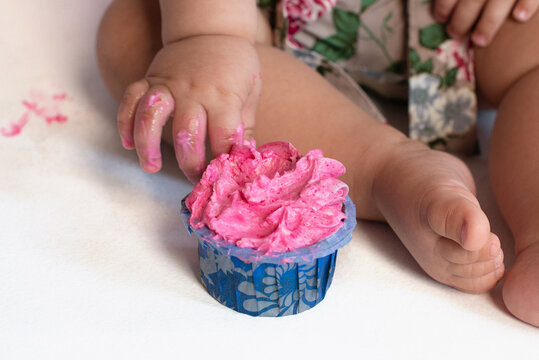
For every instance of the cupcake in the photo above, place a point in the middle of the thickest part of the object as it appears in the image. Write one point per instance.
(269, 223)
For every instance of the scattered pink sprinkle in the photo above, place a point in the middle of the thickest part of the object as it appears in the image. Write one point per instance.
(29, 105)
(59, 97)
(46, 107)
(33, 107)
(16, 127)
(57, 118)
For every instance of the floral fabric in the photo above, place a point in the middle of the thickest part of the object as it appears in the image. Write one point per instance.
(393, 47)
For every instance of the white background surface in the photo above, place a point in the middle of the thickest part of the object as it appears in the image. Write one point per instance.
(95, 263)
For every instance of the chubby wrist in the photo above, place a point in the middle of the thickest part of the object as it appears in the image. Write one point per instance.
(185, 19)
(174, 38)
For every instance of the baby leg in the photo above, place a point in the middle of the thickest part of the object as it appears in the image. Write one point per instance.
(508, 76)
(426, 196)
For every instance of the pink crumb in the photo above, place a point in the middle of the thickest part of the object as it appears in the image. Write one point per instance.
(29, 105)
(39, 104)
(16, 127)
(33, 107)
(56, 118)
(59, 97)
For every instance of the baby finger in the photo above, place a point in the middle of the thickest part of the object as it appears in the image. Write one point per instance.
(524, 9)
(127, 110)
(153, 111)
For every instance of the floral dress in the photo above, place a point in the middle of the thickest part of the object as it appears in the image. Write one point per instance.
(391, 47)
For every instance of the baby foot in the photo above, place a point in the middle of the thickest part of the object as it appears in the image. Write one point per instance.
(521, 285)
(427, 197)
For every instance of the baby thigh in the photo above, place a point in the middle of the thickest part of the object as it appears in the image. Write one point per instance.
(513, 53)
(508, 78)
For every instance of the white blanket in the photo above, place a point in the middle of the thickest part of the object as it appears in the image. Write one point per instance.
(95, 263)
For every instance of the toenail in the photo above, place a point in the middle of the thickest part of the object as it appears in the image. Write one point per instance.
(493, 250)
(498, 261)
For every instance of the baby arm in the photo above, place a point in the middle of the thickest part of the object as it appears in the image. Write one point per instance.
(205, 78)
(483, 18)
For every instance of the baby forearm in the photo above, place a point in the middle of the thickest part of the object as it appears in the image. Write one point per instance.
(185, 18)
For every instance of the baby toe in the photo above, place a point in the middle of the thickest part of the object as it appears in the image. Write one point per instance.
(454, 213)
(472, 271)
(477, 285)
(454, 253)
(478, 269)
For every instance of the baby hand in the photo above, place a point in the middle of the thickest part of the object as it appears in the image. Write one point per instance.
(207, 83)
(484, 16)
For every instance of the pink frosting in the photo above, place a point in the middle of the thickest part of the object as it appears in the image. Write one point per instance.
(270, 199)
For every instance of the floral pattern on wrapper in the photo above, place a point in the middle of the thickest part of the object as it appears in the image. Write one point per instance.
(264, 289)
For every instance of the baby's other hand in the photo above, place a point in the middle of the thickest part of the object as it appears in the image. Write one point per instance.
(209, 83)
(485, 17)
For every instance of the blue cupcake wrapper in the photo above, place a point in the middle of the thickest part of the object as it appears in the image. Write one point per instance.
(269, 284)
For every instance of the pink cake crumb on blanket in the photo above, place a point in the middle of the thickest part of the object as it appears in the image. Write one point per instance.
(41, 105)
(271, 198)
(15, 127)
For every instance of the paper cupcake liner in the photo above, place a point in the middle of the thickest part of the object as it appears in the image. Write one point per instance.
(269, 284)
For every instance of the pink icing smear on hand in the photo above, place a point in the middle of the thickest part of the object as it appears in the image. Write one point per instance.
(154, 99)
(270, 199)
(46, 107)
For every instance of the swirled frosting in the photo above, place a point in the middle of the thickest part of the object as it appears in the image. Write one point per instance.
(271, 198)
